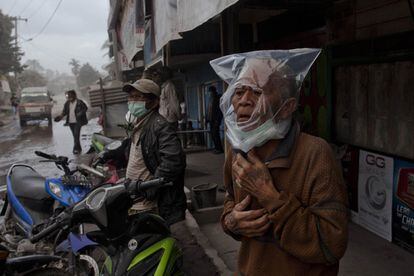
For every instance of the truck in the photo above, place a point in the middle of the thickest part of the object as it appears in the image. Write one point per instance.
(35, 104)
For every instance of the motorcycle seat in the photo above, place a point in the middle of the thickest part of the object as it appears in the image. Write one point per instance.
(29, 190)
(27, 183)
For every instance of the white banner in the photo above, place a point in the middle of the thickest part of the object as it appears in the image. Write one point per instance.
(375, 193)
(132, 34)
(193, 13)
(165, 22)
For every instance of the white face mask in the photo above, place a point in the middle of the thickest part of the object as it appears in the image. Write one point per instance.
(246, 140)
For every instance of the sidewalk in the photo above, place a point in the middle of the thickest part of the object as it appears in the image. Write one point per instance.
(367, 254)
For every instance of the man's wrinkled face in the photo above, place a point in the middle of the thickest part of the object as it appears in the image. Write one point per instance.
(248, 101)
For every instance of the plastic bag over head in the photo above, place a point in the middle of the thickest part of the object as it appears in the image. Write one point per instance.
(260, 82)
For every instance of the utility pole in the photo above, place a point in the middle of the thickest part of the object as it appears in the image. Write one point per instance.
(17, 18)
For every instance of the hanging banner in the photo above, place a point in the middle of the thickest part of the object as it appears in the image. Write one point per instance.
(403, 205)
(375, 193)
(132, 32)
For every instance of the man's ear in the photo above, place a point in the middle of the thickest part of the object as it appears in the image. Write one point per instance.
(288, 108)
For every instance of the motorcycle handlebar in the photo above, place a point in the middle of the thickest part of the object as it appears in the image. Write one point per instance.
(45, 155)
(51, 228)
(91, 170)
(142, 186)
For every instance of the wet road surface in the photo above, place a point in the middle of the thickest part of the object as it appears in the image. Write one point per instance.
(18, 144)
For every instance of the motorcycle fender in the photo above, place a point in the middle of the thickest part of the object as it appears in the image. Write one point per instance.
(75, 243)
(168, 247)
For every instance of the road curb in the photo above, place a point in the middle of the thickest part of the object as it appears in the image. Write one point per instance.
(204, 242)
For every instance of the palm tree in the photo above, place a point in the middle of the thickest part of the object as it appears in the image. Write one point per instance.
(75, 66)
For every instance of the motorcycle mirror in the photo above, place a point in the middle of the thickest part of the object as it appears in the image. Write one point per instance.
(114, 145)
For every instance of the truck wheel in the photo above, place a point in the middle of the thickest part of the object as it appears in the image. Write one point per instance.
(22, 123)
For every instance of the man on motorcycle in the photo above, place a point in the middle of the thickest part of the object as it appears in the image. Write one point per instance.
(154, 151)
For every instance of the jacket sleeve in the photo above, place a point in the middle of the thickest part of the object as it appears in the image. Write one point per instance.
(316, 233)
(65, 110)
(229, 201)
(172, 158)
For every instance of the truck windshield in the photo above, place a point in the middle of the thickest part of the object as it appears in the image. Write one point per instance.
(34, 99)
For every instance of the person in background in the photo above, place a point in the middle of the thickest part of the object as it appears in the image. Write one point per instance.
(14, 101)
(214, 117)
(169, 103)
(75, 112)
(182, 124)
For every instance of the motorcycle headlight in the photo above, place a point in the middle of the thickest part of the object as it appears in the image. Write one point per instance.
(55, 188)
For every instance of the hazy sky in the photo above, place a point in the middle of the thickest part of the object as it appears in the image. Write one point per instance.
(77, 30)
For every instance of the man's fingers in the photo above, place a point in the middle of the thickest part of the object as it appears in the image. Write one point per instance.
(252, 214)
(242, 162)
(257, 232)
(243, 204)
(252, 157)
(257, 223)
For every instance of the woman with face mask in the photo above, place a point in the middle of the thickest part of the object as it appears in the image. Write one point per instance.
(285, 198)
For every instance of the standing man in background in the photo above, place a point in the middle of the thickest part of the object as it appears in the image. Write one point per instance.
(215, 116)
(169, 103)
(75, 112)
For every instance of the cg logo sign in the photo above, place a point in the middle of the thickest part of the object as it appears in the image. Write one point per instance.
(375, 192)
(375, 161)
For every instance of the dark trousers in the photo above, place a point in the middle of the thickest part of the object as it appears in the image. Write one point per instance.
(76, 129)
(215, 135)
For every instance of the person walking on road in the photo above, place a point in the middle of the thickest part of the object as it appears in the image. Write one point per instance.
(75, 112)
(214, 117)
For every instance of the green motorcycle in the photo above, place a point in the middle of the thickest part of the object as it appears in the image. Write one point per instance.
(140, 244)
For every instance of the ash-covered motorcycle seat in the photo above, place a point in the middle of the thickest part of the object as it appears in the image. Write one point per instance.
(27, 183)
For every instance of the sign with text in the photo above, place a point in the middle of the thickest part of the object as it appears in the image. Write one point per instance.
(403, 205)
(375, 193)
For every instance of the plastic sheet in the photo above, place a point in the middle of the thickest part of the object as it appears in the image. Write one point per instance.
(260, 83)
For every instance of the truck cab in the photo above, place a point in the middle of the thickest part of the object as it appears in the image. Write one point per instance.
(35, 104)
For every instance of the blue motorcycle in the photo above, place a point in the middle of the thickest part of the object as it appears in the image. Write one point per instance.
(33, 202)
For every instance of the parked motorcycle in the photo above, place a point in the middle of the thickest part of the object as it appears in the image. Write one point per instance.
(33, 202)
(140, 244)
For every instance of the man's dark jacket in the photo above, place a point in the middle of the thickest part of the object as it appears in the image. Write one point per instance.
(80, 112)
(164, 157)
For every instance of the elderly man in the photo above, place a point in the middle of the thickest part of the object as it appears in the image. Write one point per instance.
(285, 198)
(154, 151)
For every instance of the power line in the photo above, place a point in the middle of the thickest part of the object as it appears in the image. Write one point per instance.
(25, 7)
(11, 9)
(38, 9)
(48, 21)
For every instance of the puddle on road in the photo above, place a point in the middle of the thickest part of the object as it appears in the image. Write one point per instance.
(18, 145)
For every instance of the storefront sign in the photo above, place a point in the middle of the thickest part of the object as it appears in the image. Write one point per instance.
(375, 193)
(403, 205)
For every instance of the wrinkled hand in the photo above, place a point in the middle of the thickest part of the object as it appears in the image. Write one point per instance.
(251, 223)
(253, 176)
